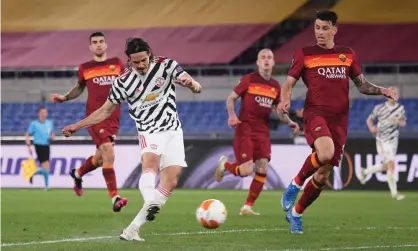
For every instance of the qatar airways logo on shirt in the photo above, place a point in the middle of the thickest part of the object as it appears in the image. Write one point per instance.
(333, 72)
(104, 80)
(263, 101)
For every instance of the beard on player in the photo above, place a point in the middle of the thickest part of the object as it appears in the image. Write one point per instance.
(325, 29)
(98, 46)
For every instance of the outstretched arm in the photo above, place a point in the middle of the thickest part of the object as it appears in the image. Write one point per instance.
(97, 116)
(365, 87)
(75, 92)
(287, 88)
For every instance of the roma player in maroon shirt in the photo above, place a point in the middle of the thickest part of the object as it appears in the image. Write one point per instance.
(98, 75)
(325, 69)
(260, 94)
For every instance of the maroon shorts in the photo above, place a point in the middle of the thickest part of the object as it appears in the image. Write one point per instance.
(251, 147)
(103, 133)
(316, 126)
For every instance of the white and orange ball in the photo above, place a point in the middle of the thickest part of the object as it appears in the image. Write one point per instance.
(211, 213)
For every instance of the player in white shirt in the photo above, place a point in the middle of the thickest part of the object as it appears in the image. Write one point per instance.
(149, 88)
(390, 116)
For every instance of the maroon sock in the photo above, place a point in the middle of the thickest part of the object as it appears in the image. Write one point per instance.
(110, 178)
(255, 188)
(311, 192)
(233, 168)
(87, 167)
(310, 166)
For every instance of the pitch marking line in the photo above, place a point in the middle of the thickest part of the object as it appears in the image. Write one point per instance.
(353, 248)
(217, 232)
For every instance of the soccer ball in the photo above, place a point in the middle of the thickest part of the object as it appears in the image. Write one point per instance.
(211, 213)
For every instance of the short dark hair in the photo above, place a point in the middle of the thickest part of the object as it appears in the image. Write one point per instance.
(96, 34)
(135, 45)
(327, 15)
(41, 108)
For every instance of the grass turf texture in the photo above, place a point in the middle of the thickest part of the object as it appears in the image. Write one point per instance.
(337, 221)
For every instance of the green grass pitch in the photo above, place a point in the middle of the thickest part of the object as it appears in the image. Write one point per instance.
(35, 220)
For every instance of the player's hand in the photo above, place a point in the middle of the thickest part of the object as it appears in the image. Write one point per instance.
(389, 93)
(295, 128)
(69, 130)
(373, 130)
(233, 121)
(283, 106)
(58, 98)
(196, 87)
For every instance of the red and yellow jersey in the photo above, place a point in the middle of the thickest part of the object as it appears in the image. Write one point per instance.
(258, 96)
(326, 73)
(98, 77)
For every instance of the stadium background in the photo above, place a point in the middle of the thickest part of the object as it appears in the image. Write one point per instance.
(216, 41)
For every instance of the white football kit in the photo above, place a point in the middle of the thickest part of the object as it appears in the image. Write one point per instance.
(152, 105)
(387, 137)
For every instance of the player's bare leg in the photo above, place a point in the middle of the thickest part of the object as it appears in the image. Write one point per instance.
(256, 186)
(242, 170)
(324, 153)
(91, 164)
(108, 156)
(392, 181)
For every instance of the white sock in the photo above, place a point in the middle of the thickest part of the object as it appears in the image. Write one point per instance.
(161, 195)
(139, 220)
(294, 183)
(294, 213)
(146, 185)
(392, 182)
(114, 198)
(374, 169)
(76, 174)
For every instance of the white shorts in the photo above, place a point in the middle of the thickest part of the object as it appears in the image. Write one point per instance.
(169, 145)
(386, 150)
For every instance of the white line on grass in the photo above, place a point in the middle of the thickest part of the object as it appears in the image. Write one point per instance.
(353, 248)
(212, 232)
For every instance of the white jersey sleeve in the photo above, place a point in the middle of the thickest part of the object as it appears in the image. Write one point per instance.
(117, 93)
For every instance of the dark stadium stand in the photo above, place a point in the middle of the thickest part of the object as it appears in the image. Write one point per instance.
(196, 116)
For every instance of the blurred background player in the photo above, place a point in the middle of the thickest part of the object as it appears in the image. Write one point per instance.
(98, 75)
(153, 108)
(390, 116)
(325, 69)
(260, 94)
(42, 131)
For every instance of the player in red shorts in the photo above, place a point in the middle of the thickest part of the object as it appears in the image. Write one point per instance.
(260, 94)
(325, 69)
(98, 75)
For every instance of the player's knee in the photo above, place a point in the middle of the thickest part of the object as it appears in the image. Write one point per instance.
(326, 155)
(390, 165)
(45, 165)
(246, 169)
(150, 161)
(322, 174)
(261, 165)
(107, 153)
